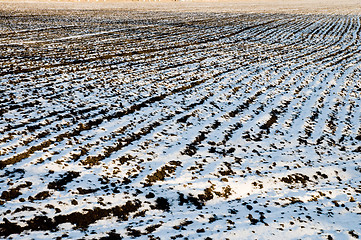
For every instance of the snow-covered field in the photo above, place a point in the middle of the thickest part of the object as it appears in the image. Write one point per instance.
(119, 124)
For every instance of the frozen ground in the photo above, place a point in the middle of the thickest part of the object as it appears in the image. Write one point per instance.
(118, 124)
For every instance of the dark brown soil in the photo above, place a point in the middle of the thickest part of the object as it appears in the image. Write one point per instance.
(59, 184)
(80, 220)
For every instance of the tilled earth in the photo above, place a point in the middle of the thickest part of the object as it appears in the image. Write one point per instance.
(120, 124)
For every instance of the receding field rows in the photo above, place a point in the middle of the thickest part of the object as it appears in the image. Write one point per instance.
(136, 115)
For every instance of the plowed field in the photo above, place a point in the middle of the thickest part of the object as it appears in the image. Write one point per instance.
(179, 125)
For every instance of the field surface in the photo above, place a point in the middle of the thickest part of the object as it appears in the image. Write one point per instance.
(122, 124)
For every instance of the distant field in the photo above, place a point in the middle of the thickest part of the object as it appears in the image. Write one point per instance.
(195, 121)
(245, 6)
